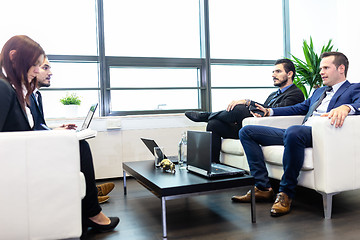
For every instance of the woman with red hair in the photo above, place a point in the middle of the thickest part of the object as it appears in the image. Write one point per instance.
(20, 60)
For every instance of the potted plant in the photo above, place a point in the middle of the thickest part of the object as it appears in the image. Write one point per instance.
(308, 71)
(71, 103)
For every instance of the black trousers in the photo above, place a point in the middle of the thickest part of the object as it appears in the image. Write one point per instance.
(90, 204)
(226, 125)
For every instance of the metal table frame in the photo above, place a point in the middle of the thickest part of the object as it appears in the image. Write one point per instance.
(184, 195)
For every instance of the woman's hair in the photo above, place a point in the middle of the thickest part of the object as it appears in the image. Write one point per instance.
(15, 69)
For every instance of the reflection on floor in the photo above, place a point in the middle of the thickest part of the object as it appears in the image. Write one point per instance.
(214, 216)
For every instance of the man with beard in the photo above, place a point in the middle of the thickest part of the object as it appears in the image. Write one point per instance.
(227, 123)
(44, 80)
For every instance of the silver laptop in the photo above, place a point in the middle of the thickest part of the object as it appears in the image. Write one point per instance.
(199, 157)
(150, 144)
(88, 118)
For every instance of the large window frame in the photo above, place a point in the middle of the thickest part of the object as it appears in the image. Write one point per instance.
(203, 64)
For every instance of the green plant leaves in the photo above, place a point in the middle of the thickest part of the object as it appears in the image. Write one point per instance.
(308, 71)
(70, 99)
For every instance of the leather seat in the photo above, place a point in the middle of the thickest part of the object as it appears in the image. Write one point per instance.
(42, 185)
(331, 165)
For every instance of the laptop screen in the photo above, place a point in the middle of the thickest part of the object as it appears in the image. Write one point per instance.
(150, 144)
(199, 149)
(89, 116)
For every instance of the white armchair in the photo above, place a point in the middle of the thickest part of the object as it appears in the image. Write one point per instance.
(42, 186)
(331, 165)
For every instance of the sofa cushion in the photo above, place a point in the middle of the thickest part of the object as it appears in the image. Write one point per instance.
(273, 155)
(232, 146)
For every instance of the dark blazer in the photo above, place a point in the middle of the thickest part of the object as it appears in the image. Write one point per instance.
(37, 113)
(291, 96)
(348, 93)
(12, 116)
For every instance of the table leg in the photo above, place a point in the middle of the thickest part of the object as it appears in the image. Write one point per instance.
(163, 212)
(253, 205)
(124, 174)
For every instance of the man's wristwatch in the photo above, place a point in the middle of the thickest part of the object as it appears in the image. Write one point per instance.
(247, 102)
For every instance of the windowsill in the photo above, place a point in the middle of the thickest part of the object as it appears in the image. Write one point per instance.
(129, 122)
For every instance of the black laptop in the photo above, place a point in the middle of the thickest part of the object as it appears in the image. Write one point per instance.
(150, 144)
(199, 160)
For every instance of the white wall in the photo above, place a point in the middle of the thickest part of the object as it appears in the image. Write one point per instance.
(327, 19)
(349, 35)
(118, 138)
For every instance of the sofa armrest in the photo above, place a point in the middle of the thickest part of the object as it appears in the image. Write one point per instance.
(275, 121)
(40, 170)
(335, 153)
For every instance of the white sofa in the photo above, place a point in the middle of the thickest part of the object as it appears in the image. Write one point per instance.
(42, 186)
(330, 167)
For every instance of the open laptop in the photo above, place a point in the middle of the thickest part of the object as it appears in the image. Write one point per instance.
(88, 118)
(199, 160)
(150, 144)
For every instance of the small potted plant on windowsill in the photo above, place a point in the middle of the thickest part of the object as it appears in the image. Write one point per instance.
(71, 103)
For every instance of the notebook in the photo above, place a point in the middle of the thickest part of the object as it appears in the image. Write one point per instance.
(84, 132)
(150, 144)
(199, 157)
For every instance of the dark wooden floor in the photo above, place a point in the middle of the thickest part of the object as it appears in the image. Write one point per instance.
(214, 216)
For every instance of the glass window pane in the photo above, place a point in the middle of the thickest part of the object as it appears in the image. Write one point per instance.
(242, 29)
(222, 97)
(74, 75)
(303, 19)
(153, 77)
(137, 100)
(157, 28)
(241, 76)
(60, 27)
(53, 108)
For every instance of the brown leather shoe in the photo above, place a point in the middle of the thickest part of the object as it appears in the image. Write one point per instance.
(259, 196)
(102, 199)
(104, 189)
(281, 205)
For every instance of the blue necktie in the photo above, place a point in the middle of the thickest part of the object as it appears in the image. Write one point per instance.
(316, 104)
(278, 92)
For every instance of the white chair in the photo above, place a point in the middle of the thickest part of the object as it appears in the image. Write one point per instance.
(42, 186)
(331, 166)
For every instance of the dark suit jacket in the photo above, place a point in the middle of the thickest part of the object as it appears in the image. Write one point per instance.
(12, 116)
(37, 114)
(291, 96)
(347, 94)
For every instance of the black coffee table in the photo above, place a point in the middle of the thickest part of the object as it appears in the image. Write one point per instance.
(167, 186)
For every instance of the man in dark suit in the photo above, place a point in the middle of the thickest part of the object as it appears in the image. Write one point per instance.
(336, 100)
(36, 108)
(227, 123)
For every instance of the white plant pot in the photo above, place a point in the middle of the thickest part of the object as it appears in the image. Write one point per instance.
(71, 111)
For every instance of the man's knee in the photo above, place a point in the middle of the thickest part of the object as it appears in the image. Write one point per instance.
(295, 134)
(244, 131)
(212, 125)
(240, 107)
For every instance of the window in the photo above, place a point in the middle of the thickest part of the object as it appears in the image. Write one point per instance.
(141, 89)
(61, 27)
(156, 28)
(231, 82)
(152, 56)
(242, 29)
(68, 78)
(302, 15)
